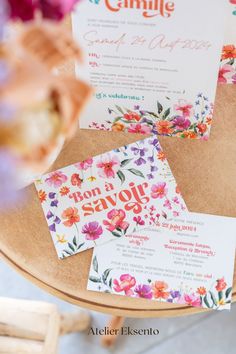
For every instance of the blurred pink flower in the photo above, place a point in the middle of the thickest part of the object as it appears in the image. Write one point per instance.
(181, 123)
(192, 300)
(84, 165)
(56, 179)
(125, 284)
(225, 70)
(25, 10)
(139, 220)
(92, 230)
(184, 107)
(159, 190)
(117, 220)
(108, 166)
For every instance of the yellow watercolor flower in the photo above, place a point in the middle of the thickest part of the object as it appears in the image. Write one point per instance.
(221, 302)
(61, 239)
(91, 179)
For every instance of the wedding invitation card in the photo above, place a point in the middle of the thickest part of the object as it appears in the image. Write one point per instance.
(227, 73)
(189, 260)
(109, 195)
(154, 64)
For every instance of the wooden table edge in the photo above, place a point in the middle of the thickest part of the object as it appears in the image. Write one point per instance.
(106, 309)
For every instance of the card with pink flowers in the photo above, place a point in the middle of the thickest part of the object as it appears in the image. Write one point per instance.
(188, 260)
(154, 64)
(106, 196)
(227, 73)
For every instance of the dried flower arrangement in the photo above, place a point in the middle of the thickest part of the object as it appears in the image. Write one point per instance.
(39, 109)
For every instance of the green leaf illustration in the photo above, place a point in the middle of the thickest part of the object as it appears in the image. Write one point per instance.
(166, 113)
(81, 245)
(125, 162)
(110, 283)
(95, 279)
(206, 301)
(105, 275)
(71, 246)
(220, 294)
(159, 107)
(116, 234)
(228, 292)
(136, 172)
(95, 264)
(68, 252)
(119, 109)
(75, 241)
(121, 176)
(213, 298)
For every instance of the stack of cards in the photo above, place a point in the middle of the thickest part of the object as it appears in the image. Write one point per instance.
(150, 76)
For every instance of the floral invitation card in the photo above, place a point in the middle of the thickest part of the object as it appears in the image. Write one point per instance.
(108, 196)
(227, 74)
(184, 261)
(153, 64)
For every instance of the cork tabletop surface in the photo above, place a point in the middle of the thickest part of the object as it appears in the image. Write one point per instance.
(205, 173)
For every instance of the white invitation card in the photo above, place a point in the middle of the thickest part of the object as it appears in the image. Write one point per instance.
(109, 195)
(189, 260)
(154, 64)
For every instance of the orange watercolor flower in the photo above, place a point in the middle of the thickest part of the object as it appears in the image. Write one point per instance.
(188, 134)
(221, 284)
(42, 196)
(164, 127)
(161, 156)
(64, 191)
(71, 216)
(118, 127)
(159, 290)
(201, 291)
(132, 116)
(209, 120)
(229, 52)
(202, 128)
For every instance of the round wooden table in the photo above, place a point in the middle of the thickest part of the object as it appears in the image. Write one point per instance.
(206, 175)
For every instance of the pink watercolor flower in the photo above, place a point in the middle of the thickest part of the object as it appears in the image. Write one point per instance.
(184, 107)
(144, 291)
(84, 165)
(159, 190)
(181, 123)
(108, 166)
(125, 284)
(167, 204)
(192, 300)
(175, 213)
(116, 220)
(139, 220)
(56, 179)
(224, 73)
(139, 129)
(92, 230)
(76, 180)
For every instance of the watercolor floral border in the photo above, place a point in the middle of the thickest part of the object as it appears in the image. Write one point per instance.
(218, 296)
(182, 119)
(227, 72)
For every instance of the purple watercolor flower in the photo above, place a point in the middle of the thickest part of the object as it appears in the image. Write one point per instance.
(52, 227)
(151, 159)
(140, 161)
(54, 203)
(51, 195)
(175, 294)
(181, 123)
(49, 214)
(143, 291)
(136, 107)
(92, 231)
(150, 176)
(154, 168)
(57, 220)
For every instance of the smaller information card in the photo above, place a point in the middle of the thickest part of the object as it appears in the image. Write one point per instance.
(186, 261)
